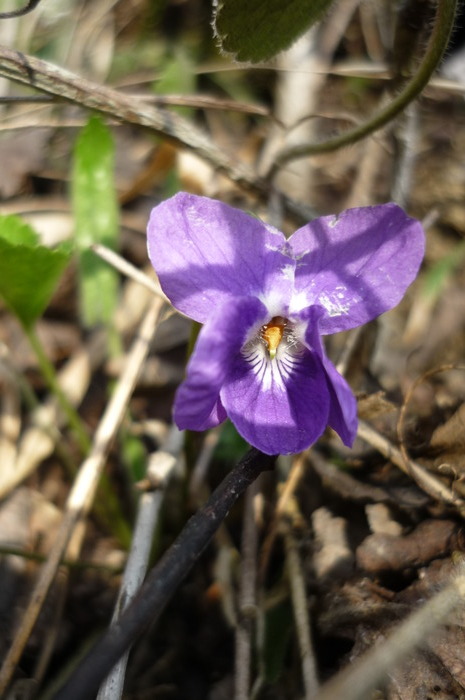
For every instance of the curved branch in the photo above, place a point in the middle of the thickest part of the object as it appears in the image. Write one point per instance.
(31, 5)
(64, 85)
(437, 45)
(164, 579)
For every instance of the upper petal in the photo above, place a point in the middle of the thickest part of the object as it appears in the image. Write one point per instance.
(197, 405)
(356, 265)
(278, 406)
(205, 252)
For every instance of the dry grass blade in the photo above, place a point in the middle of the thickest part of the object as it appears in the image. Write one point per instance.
(83, 491)
(119, 263)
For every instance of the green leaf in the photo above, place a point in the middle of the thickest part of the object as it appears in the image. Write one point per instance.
(177, 75)
(277, 634)
(442, 270)
(29, 271)
(96, 220)
(231, 446)
(256, 30)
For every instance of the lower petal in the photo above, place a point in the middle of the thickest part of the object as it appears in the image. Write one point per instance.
(279, 406)
(197, 404)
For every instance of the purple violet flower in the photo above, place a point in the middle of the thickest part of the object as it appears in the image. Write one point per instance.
(266, 301)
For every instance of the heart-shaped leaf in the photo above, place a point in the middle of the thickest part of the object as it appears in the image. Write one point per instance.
(29, 271)
(256, 30)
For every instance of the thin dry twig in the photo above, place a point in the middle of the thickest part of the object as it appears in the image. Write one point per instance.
(295, 475)
(401, 421)
(54, 80)
(301, 614)
(31, 5)
(428, 482)
(247, 598)
(84, 488)
(126, 268)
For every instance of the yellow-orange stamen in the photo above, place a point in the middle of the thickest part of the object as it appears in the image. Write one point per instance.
(272, 334)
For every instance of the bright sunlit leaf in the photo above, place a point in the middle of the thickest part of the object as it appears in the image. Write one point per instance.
(96, 220)
(29, 271)
(256, 30)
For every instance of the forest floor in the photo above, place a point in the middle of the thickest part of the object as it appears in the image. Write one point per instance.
(369, 533)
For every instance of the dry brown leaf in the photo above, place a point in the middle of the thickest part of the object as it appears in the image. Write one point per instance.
(373, 405)
(431, 539)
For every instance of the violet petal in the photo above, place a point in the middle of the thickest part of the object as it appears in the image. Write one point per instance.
(197, 405)
(343, 405)
(278, 406)
(356, 265)
(205, 253)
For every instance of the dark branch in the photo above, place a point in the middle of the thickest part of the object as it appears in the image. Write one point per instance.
(163, 580)
(31, 5)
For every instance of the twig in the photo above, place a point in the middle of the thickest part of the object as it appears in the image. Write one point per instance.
(164, 578)
(301, 614)
(432, 486)
(247, 599)
(84, 488)
(53, 80)
(372, 669)
(126, 268)
(31, 5)
(407, 140)
(293, 478)
(83, 564)
(160, 468)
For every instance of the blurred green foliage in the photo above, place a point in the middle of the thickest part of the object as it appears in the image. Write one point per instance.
(96, 220)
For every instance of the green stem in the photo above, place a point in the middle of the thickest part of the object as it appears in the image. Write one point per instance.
(49, 374)
(106, 506)
(437, 44)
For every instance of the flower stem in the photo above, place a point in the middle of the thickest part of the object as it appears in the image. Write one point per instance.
(49, 374)
(437, 44)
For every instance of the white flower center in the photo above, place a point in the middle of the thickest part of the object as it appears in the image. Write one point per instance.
(274, 352)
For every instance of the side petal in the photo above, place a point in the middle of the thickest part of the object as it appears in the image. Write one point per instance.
(343, 405)
(197, 404)
(356, 265)
(205, 253)
(279, 406)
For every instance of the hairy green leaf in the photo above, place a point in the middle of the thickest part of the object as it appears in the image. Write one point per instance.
(29, 271)
(256, 30)
(96, 220)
